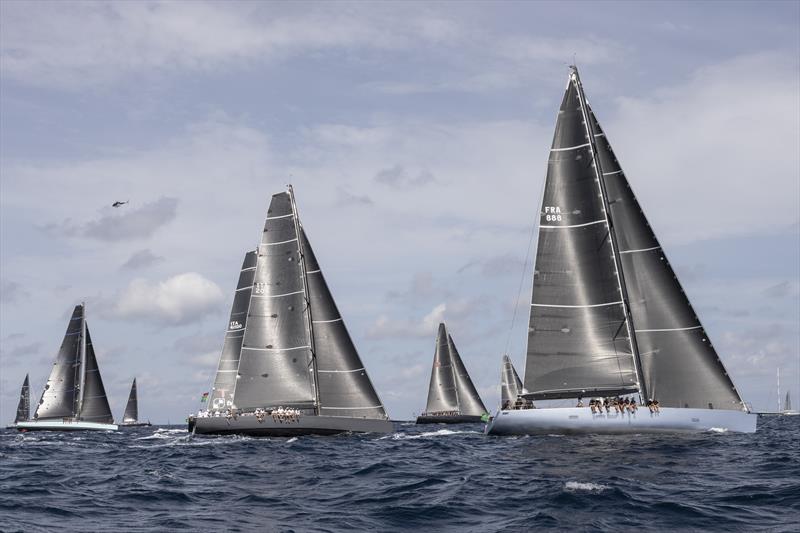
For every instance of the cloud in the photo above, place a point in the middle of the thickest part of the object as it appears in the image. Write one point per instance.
(347, 198)
(178, 300)
(11, 291)
(782, 289)
(398, 177)
(135, 224)
(453, 313)
(141, 260)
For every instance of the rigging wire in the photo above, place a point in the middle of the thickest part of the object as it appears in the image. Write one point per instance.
(519, 289)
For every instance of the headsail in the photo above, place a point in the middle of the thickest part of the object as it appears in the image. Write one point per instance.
(344, 385)
(442, 395)
(24, 406)
(679, 364)
(469, 402)
(787, 403)
(276, 364)
(511, 385)
(59, 398)
(94, 406)
(225, 381)
(578, 339)
(131, 415)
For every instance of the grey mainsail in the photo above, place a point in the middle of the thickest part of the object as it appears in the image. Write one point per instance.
(344, 386)
(609, 314)
(94, 402)
(451, 388)
(60, 396)
(276, 363)
(225, 380)
(131, 415)
(578, 340)
(510, 384)
(442, 395)
(24, 405)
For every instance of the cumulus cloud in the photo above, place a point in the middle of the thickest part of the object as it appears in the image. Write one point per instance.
(141, 260)
(452, 313)
(178, 300)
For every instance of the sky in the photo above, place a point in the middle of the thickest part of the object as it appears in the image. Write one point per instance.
(416, 136)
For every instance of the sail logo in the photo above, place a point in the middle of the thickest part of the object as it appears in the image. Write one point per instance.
(235, 325)
(552, 213)
(259, 287)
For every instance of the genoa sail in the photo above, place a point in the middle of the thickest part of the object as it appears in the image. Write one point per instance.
(59, 398)
(679, 364)
(225, 380)
(276, 363)
(94, 403)
(131, 415)
(345, 388)
(451, 389)
(24, 405)
(510, 384)
(578, 339)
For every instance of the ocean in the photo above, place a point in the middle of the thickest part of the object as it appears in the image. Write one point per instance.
(423, 478)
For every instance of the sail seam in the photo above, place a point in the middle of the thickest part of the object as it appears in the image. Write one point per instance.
(584, 145)
(277, 243)
(667, 329)
(248, 268)
(341, 371)
(577, 306)
(601, 221)
(639, 250)
(327, 321)
(276, 295)
(274, 349)
(317, 271)
(612, 173)
(280, 216)
(353, 408)
(244, 288)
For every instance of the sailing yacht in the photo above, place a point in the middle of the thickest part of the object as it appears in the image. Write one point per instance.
(452, 398)
(74, 397)
(787, 402)
(24, 405)
(131, 416)
(511, 389)
(609, 318)
(288, 365)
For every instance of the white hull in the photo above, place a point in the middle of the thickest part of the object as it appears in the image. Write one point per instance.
(62, 425)
(580, 420)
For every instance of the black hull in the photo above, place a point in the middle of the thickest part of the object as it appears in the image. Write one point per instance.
(449, 419)
(303, 425)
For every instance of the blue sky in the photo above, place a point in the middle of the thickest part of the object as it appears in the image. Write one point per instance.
(416, 135)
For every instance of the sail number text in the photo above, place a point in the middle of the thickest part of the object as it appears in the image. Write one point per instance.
(552, 214)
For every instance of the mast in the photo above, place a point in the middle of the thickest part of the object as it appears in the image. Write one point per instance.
(779, 389)
(309, 321)
(611, 236)
(82, 362)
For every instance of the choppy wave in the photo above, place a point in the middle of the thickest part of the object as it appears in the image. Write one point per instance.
(429, 478)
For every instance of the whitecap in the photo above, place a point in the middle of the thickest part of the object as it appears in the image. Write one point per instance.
(578, 485)
(718, 430)
(428, 434)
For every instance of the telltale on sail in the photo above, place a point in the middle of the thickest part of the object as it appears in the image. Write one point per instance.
(288, 365)
(609, 318)
(452, 397)
(74, 397)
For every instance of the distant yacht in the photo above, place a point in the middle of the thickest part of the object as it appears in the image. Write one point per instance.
(452, 398)
(609, 320)
(288, 365)
(24, 405)
(787, 402)
(131, 416)
(74, 397)
(511, 390)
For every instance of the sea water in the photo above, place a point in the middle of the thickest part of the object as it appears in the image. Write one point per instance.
(424, 478)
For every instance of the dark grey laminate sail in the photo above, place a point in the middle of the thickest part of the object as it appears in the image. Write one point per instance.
(787, 403)
(511, 385)
(60, 396)
(131, 415)
(94, 406)
(276, 366)
(442, 395)
(225, 380)
(24, 405)
(344, 385)
(578, 339)
(469, 402)
(679, 364)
